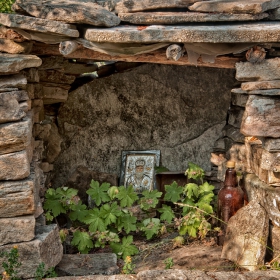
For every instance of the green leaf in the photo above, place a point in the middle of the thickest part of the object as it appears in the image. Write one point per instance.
(127, 196)
(110, 213)
(126, 248)
(79, 212)
(192, 190)
(95, 220)
(53, 203)
(83, 241)
(151, 227)
(194, 172)
(206, 198)
(187, 209)
(206, 187)
(167, 213)
(149, 199)
(98, 193)
(173, 192)
(205, 206)
(127, 222)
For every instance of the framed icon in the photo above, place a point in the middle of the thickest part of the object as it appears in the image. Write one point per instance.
(138, 169)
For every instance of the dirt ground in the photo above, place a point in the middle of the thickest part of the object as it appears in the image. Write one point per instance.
(202, 255)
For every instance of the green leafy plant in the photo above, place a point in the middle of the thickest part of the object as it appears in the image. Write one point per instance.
(6, 6)
(10, 264)
(42, 272)
(128, 267)
(168, 263)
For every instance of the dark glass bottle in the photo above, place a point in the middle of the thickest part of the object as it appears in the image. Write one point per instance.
(230, 199)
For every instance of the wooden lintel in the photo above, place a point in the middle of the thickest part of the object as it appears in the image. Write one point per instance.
(158, 56)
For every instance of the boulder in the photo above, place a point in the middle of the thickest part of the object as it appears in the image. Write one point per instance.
(17, 229)
(73, 11)
(246, 236)
(16, 198)
(45, 248)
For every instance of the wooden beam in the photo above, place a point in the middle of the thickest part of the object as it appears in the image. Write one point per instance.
(158, 56)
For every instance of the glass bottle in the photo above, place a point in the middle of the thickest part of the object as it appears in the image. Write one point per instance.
(230, 199)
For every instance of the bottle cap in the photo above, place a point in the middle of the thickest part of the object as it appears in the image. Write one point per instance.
(230, 164)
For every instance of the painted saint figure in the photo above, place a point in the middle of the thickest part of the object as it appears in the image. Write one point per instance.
(138, 179)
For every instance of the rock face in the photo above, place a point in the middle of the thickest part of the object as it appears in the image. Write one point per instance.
(46, 248)
(246, 236)
(78, 11)
(149, 107)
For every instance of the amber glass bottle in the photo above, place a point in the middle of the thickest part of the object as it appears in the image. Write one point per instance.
(230, 199)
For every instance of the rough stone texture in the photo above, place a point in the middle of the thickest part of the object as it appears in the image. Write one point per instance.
(15, 136)
(275, 237)
(17, 229)
(38, 24)
(19, 95)
(12, 63)
(233, 133)
(261, 117)
(80, 180)
(192, 33)
(238, 98)
(246, 236)
(16, 198)
(270, 161)
(14, 166)
(272, 144)
(267, 196)
(177, 17)
(266, 71)
(52, 93)
(124, 6)
(78, 11)
(235, 116)
(81, 265)
(260, 85)
(56, 77)
(18, 81)
(9, 46)
(161, 110)
(239, 6)
(274, 14)
(31, 75)
(46, 248)
(10, 109)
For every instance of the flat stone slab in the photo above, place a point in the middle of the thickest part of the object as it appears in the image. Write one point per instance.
(71, 11)
(88, 264)
(268, 70)
(238, 6)
(13, 63)
(261, 85)
(124, 6)
(180, 17)
(38, 24)
(16, 198)
(180, 274)
(17, 81)
(203, 33)
(265, 92)
(15, 136)
(17, 229)
(46, 248)
(261, 117)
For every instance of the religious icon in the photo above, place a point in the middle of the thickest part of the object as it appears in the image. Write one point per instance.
(138, 169)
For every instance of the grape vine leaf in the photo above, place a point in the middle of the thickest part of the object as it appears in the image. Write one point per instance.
(95, 220)
(149, 199)
(126, 248)
(127, 222)
(192, 190)
(79, 212)
(167, 213)
(98, 193)
(206, 187)
(110, 213)
(83, 241)
(127, 196)
(151, 227)
(173, 192)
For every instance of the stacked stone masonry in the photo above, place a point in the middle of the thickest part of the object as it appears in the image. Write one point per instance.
(31, 87)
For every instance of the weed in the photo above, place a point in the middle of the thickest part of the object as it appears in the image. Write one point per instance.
(168, 263)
